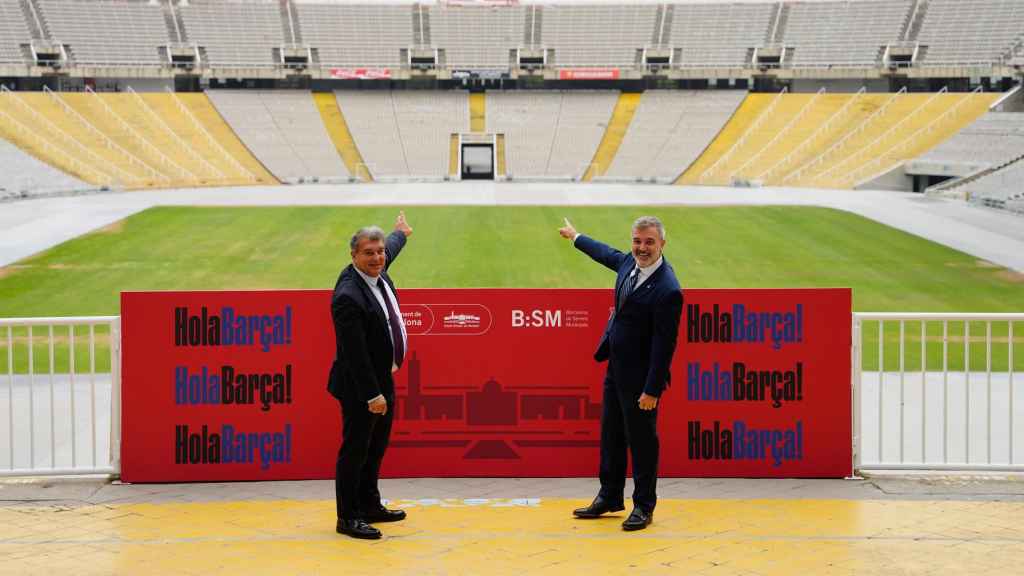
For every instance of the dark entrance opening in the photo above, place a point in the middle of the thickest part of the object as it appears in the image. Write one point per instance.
(478, 162)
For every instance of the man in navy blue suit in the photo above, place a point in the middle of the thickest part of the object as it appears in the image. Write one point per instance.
(371, 341)
(638, 344)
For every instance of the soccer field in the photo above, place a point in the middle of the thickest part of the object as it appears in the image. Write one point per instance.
(459, 247)
(304, 247)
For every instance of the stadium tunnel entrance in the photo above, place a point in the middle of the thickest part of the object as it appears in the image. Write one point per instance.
(476, 156)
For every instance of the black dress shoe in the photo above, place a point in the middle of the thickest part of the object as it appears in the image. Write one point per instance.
(382, 514)
(358, 529)
(597, 507)
(638, 520)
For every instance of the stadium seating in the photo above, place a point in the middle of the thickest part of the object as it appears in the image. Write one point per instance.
(24, 175)
(234, 33)
(132, 30)
(719, 34)
(669, 131)
(14, 32)
(550, 134)
(572, 29)
(970, 31)
(129, 140)
(475, 37)
(843, 34)
(994, 139)
(582, 120)
(356, 35)
(338, 130)
(284, 130)
(832, 141)
(405, 134)
(1003, 188)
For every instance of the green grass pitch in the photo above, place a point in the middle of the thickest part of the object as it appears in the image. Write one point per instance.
(186, 248)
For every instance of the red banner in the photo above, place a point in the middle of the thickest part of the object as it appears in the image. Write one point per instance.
(588, 74)
(360, 73)
(232, 385)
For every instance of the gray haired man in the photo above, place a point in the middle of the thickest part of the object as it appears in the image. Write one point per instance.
(638, 344)
(371, 346)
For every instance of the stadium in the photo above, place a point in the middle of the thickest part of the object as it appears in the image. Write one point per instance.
(855, 167)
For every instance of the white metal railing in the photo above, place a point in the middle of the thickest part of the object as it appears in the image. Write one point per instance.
(937, 392)
(929, 392)
(47, 431)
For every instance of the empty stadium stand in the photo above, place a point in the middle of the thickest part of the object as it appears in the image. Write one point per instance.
(994, 139)
(24, 175)
(129, 140)
(341, 136)
(710, 35)
(284, 130)
(834, 141)
(356, 35)
(405, 134)
(132, 30)
(619, 31)
(235, 33)
(670, 129)
(14, 32)
(549, 134)
(273, 37)
(843, 34)
(970, 31)
(1003, 188)
(477, 37)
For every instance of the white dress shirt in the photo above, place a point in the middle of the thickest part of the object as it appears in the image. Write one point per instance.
(645, 273)
(372, 283)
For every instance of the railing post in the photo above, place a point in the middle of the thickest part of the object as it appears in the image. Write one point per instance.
(855, 394)
(115, 395)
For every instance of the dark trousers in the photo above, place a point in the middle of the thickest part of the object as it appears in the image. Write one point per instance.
(625, 426)
(364, 439)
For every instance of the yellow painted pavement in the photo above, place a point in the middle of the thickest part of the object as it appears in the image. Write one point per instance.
(501, 536)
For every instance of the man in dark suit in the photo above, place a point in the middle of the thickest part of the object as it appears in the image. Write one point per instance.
(371, 343)
(638, 343)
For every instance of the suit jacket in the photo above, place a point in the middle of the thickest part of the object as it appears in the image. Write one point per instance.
(364, 353)
(641, 337)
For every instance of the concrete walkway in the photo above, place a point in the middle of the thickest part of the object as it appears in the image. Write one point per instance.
(900, 525)
(31, 226)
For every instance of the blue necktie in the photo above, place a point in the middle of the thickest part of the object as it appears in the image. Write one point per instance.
(627, 287)
(396, 329)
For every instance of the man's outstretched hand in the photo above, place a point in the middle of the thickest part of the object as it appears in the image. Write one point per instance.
(567, 231)
(402, 226)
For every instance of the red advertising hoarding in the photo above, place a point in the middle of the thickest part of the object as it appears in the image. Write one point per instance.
(588, 74)
(232, 385)
(360, 73)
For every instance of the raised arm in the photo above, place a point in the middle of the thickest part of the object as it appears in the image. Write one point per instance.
(599, 251)
(395, 241)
